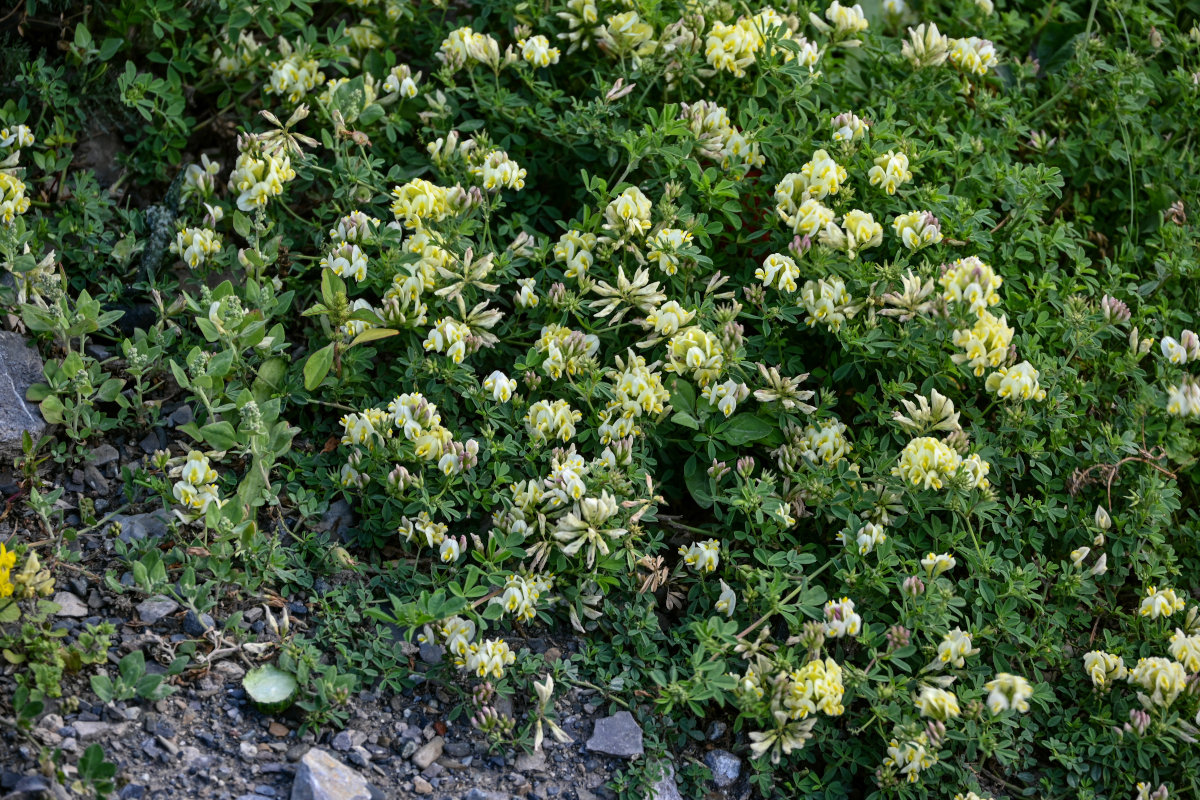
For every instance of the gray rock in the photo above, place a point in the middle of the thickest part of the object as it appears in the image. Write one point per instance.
(70, 605)
(432, 653)
(716, 730)
(457, 749)
(618, 735)
(323, 777)
(135, 527)
(153, 609)
(93, 480)
(181, 416)
(339, 519)
(20, 368)
(532, 762)
(197, 624)
(154, 440)
(248, 751)
(725, 766)
(665, 787)
(483, 794)
(104, 455)
(429, 753)
(342, 742)
(31, 785)
(110, 731)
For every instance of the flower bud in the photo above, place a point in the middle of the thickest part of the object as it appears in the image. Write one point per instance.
(1103, 520)
(914, 586)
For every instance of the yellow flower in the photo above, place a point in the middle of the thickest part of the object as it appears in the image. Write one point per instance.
(973, 55)
(1008, 691)
(927, 462)
(12, 198)
(1186, 650)
(1104, 668)
(1160, 604)
(1018, 382)
(8, 560)
(1162, 678)
(969, 280)
(628, 213)
(890, 171)
(937, 703)
(537, 51)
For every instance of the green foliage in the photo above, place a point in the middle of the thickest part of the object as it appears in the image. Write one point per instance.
(872, 435)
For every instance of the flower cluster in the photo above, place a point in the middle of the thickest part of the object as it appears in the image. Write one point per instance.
(930, 463)
(196, 488)
(259, 174)
(196, 245)
(13, 201)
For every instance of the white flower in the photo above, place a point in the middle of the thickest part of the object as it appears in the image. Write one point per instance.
(1008, 691)
(500, 385)
(702, 556)
(840, 619)
(537, 51)
(449, 552)
(727, 601)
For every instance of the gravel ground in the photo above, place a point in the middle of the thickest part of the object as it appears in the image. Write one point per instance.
(207, 740)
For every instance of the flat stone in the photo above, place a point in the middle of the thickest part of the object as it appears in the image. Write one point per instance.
(20, 368)
(70, 605)
(197, 624)
(154, 440)
(338, 519)
(618, 735)
(104, 455)
(278, 729)
(531, 762)
(665, 787)
(725, 766)
(181, 416)
(93, 480)
(155, 608)
(422, 786)
(322, 777)
(135, 527)
(85, 731)
(484, 794)
(429, 753)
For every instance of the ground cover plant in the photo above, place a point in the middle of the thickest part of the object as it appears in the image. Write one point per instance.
(827, 370)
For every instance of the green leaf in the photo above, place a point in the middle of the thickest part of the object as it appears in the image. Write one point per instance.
(372, 335)
(317, 366)
(109, 390)
(695, 475)
(241, 224)
(686, 420)
(743, 429)
(52, 410)
(220, 435)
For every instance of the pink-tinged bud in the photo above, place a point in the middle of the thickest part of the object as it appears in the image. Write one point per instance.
(718, 470)
(1115, 311)
(898, 636)
(1176, 213)
(914, 586)
(1139, 720)
(936, 730)
(618, 90)
(800, 245)
(745, 466)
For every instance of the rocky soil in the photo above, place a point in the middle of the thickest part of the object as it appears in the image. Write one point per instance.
(206, 740)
